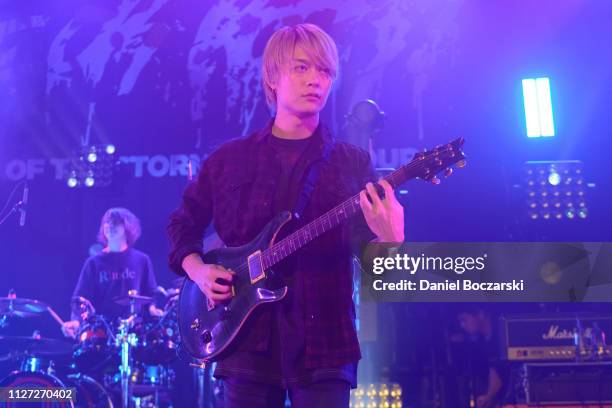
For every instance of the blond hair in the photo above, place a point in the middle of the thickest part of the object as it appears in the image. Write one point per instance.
(315, 42)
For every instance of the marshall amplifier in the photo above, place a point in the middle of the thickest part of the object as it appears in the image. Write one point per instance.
(546, 337)
(546, 384)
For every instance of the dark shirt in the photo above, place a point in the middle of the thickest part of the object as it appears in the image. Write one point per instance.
(236, 189)
(283, 363)
(474, 357)
(288, 152)
(112, 274)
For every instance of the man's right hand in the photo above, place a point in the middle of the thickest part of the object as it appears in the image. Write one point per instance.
(70, 328)
(206, 276)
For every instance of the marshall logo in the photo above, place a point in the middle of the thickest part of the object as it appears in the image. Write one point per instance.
(554, 334)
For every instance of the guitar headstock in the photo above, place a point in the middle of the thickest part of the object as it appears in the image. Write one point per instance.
(428, 164)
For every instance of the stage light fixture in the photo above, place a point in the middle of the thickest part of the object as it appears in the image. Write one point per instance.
(555, 190)
(91, 166)
(538, 107)
(381, 395)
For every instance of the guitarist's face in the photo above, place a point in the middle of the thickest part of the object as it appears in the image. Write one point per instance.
(303, 86)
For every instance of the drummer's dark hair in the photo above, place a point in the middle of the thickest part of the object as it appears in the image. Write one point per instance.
(130, 222)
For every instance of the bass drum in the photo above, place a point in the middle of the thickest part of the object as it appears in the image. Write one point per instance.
(89, 393)
(22, 379)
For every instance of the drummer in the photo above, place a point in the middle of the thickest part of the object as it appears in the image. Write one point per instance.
(117, 270)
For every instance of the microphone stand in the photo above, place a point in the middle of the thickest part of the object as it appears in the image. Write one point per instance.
(19, 206)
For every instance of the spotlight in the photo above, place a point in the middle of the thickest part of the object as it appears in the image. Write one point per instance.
(89, 181)
(92, 156)
(554, 178)
(110, 149)
(72, 180)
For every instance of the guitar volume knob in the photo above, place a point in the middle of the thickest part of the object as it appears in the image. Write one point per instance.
(206, 336)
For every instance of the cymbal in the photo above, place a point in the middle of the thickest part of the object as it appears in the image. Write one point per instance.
(33, 346)
(21, 307)
(138, 300)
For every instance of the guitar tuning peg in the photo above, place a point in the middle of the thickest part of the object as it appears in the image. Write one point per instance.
(461, 164)
(435, 180)
(448, 172)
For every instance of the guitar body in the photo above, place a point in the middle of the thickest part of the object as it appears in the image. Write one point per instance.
(205, 332)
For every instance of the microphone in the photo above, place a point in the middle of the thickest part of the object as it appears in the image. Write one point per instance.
(24, 205)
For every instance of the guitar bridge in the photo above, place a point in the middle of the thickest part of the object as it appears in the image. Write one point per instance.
(256, 269)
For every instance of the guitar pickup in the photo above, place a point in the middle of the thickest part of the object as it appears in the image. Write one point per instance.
(256, 270)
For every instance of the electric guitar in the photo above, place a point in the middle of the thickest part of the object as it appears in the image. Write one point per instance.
(206, 331)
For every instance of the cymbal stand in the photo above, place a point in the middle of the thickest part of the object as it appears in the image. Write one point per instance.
(126, 340)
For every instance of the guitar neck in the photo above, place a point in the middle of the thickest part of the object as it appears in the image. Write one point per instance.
(326, 222)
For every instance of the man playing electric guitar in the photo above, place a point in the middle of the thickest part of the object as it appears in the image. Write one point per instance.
(305, 344)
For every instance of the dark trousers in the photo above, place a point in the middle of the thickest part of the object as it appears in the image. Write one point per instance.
(239, 393)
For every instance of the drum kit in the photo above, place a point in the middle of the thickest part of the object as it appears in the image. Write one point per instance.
(122, 362)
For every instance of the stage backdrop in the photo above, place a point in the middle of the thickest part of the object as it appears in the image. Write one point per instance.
(165, 81)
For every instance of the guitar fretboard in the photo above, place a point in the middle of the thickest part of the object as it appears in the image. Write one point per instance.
(333, 217)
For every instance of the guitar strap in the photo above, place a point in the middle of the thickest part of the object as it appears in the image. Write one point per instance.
(311, 181)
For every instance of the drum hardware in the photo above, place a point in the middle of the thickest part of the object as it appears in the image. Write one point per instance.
(125, 341)
(143, 350)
